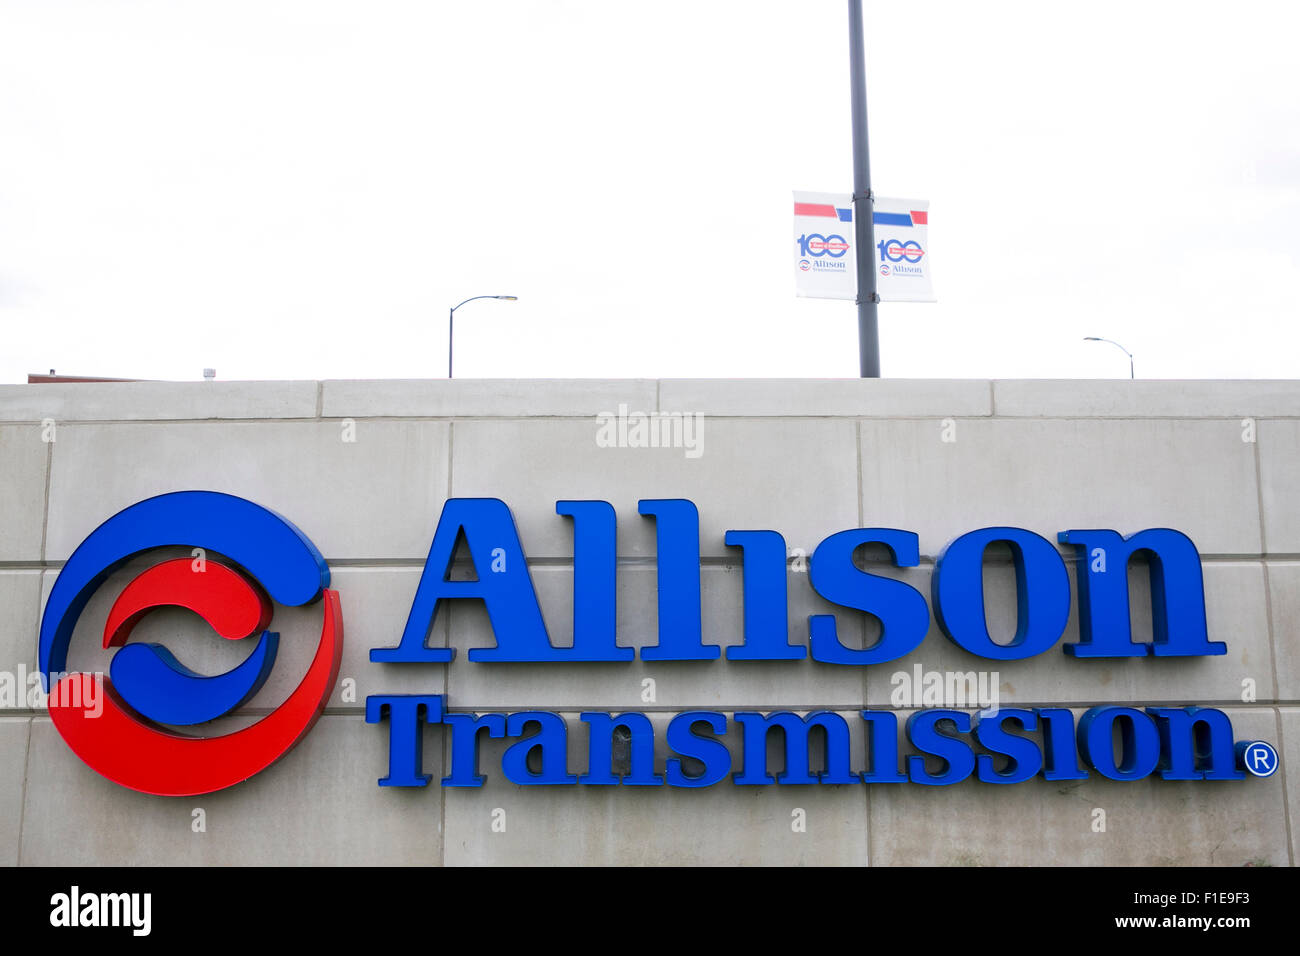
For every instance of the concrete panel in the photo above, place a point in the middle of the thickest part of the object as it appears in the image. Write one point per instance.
(1235, 615)
(1289, 720)
(1054, 475)
(376, 497)
(157, 401)
(850, 397)
(376, 602)
(1150, 822)
(719, 684)
(484, 398)
(721, 825)
(13, 757)
(1119, 398)
(319, 805)
(24, 457)
(1279, 485)
(1284, 598)
(20, 602)
(795, 477)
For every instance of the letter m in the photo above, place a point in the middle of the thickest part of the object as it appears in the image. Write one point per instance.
(795, 730)
(115, 909)
(1177, 595)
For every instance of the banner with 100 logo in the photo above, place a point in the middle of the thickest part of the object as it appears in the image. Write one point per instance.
(825, 260)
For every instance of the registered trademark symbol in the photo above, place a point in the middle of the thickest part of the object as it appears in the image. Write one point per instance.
(1260, 758)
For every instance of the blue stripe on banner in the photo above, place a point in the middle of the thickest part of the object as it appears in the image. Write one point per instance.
(891, 218)
(846, 215)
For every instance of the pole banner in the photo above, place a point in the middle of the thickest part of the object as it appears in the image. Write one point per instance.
(903, 250)
(825, 264)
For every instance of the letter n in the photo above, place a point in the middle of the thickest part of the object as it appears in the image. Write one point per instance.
(1177, 595)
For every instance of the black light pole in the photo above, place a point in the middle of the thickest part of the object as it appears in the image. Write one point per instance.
(1093, 338)
(451, 319)
(863, 204)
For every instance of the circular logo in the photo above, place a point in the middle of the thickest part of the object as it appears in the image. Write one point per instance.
(257, 556)
(804, 265)
(1259, 758)
(897, 251)
(819, 245)
(884, 269)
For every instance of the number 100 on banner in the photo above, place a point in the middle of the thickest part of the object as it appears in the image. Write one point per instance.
(825, 260)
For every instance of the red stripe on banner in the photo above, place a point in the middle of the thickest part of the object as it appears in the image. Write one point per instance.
(814, 209)
(920, 218)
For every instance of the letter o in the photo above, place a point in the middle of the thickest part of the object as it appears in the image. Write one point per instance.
(1042, 594)
(1140, 742)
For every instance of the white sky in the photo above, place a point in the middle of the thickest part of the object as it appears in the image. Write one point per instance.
(302, 189)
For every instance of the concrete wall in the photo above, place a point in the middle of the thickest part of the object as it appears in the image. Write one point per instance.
(1216, 460)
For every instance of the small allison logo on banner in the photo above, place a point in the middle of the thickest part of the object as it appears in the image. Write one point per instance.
(826, 260)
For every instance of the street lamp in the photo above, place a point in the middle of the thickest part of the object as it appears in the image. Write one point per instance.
(451, 318)
(1093, 338)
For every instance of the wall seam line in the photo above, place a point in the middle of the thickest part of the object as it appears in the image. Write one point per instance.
(22, 807)
(446, 671)
(1286, 803)
(45, 514)
(866, 671)
(1263, 554)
